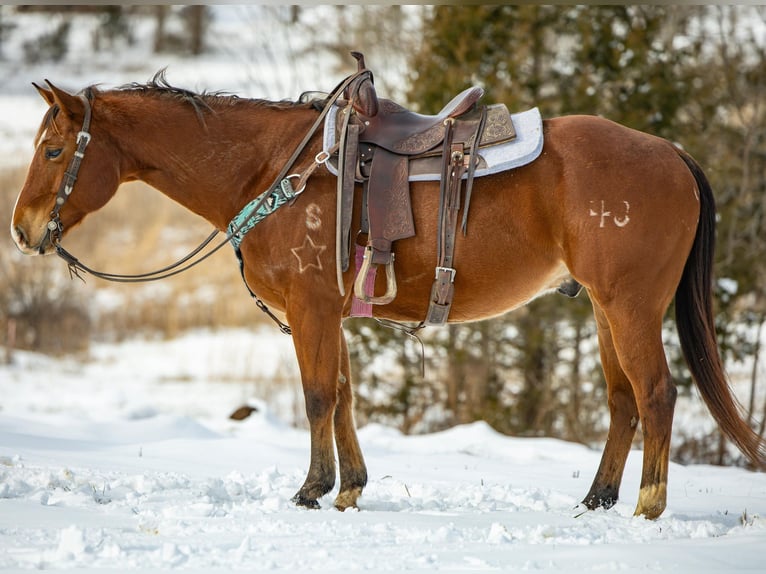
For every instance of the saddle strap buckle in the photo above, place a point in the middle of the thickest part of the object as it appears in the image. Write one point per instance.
(445, 270)
(442, 292)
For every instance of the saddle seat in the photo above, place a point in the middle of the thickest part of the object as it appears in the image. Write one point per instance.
(405, 132)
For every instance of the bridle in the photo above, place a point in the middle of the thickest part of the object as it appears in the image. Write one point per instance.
(55, 228)
(280, 192)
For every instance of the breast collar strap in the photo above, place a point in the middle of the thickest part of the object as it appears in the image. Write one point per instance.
(55, 227)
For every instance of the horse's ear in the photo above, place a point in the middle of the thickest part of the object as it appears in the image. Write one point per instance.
(68, 103)
(46, 94)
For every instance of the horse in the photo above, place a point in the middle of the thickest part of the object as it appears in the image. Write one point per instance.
(629, 216)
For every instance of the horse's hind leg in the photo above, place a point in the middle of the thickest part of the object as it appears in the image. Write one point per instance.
(637, 338)
(622, 426)
(353, 472)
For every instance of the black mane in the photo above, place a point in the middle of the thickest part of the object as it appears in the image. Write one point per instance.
(160, 85)
(201, 101)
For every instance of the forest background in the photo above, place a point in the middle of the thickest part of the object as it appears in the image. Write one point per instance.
(693, 74)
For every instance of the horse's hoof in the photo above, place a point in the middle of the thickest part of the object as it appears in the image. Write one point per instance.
(310, 503)
(652, 500)
(604, 498)
(347, 498)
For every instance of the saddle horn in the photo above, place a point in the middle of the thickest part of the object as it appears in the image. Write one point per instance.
(361, 92)
(359, 57)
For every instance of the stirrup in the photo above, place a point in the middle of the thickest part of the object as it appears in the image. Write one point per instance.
(362, 276)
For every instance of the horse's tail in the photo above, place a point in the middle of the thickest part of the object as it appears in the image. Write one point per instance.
(696, 328)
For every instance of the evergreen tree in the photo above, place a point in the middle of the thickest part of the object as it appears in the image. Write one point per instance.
(660, 69)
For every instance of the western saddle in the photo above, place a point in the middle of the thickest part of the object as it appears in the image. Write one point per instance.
(379, 144)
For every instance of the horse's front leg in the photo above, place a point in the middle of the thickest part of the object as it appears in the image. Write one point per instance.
(316, 336)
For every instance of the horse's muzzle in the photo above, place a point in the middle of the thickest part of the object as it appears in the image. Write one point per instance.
(22, 241)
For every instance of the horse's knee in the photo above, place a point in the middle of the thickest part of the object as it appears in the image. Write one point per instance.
(667, 393)
(320, 403)
(621, 399)
(656, 407)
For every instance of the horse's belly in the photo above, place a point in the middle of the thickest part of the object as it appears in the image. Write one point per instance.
(477, 296)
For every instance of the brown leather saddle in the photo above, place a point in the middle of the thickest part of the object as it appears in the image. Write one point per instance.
(380, 144)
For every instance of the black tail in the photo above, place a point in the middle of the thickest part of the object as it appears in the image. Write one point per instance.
(696, 329)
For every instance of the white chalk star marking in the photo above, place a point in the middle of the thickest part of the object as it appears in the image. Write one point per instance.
(308, 255)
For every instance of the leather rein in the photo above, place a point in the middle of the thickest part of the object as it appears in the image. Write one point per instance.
(251, 214)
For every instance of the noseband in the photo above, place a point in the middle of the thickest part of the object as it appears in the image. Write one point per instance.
(55, 227)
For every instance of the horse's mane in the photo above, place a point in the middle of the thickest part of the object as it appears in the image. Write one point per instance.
(204, 101)
(159, 85)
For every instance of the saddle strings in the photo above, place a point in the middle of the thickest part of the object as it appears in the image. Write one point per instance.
(411, 332)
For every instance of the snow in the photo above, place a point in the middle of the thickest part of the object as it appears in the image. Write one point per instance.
(249, 54)
(127, 460)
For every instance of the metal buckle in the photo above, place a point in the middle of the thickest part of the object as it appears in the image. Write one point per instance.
(85, 136)
(287, 187)
(451, 271)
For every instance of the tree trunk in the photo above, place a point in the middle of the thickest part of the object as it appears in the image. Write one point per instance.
(197, 13)
(160, 13)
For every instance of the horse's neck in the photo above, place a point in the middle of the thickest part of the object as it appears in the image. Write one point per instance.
(212, 164)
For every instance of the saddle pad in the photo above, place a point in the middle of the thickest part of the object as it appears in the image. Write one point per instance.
(523, 150)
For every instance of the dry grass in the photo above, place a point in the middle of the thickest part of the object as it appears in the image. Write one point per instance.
(139, 230)
(142, 230)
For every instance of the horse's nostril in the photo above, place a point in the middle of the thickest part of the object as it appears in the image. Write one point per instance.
(20, 236)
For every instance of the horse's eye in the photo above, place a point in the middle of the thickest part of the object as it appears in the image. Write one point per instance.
(52, 153)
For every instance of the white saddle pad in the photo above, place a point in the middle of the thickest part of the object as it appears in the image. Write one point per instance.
(523, 150)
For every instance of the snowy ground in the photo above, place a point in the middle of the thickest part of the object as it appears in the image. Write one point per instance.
(129, 461)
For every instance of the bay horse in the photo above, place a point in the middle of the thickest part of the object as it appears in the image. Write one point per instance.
(628, 215)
